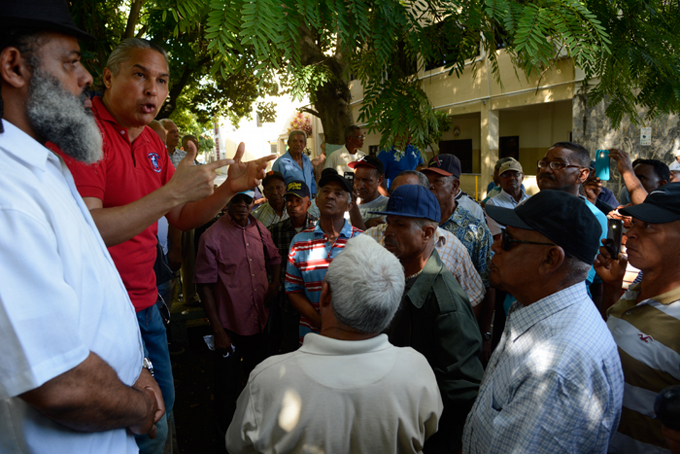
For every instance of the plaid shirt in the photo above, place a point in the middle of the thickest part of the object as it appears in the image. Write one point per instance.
(267, 216)
(475, 236)
(283, 234)
(554, 383)
(454, 256)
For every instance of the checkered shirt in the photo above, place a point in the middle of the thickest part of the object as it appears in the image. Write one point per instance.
(554, 383)
(283, 233)
(267, 216)
(454, 256)
(177, 156)
(475, 236)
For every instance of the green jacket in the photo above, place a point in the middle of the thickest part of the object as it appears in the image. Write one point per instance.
(445, 331)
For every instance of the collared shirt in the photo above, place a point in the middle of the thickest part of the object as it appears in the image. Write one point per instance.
(454, 256)
(291, 170)
(396, 161)
(339, 159)
(177, 156)
(283, 234)
(308, 260)
(554, 383)
(267, 216)
(378, 398)
(647, 335)
(235, 259)
(127, 172)
(470, 204)
(60, 299)
(437, 321)
(504, 200)
(476, 238)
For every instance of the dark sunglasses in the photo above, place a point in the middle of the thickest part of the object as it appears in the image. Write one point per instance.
(507, 240)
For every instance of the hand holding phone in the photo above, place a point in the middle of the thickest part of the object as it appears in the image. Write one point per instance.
(602, 165)
(614, 237)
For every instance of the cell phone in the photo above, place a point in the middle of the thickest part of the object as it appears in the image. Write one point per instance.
(350, 176)
(614, 237)
(602, 165)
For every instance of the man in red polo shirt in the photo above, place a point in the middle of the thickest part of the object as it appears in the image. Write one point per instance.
(135, 184)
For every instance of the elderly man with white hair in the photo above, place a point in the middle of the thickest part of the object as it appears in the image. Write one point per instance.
(347, 389)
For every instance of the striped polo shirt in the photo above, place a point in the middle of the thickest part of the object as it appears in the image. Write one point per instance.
(308, 259)
(648, 340)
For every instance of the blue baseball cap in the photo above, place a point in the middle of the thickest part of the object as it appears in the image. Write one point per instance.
(250, 193)
(412, 201)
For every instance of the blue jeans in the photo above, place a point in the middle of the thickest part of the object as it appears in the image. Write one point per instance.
(156, 349)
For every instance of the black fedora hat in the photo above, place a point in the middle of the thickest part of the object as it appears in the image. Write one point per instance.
(41, 15)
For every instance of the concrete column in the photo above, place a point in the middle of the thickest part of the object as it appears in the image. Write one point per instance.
(489, 146)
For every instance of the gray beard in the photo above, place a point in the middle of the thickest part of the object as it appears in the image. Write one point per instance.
(58, 116)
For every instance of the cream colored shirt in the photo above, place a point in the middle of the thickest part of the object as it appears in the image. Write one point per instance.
(339, 159)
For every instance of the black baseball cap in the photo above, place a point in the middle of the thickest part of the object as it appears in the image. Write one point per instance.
(412, 201)
(298, 188)
(330, 174)
(662, 205)
(368, 161)
(41, 15)
(273, 175)
(444, 164)
(563, 218)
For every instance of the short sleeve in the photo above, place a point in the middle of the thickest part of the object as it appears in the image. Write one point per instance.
(90, 179)
(38, 308)
(294, 281)
(206, 261)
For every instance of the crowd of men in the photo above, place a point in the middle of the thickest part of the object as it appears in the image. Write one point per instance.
(361, 310)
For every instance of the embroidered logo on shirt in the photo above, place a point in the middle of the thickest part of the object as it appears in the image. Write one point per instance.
(153, 157)
(645, 339)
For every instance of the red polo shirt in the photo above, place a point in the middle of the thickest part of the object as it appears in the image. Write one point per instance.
(127, 172)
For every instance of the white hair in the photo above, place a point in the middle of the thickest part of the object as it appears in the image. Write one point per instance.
(367, 283)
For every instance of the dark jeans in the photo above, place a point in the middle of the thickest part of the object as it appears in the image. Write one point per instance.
(155, 341)
(231, 376)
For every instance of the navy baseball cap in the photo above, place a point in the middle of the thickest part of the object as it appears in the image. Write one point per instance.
(272, 175)
(298, 188)
(329, 174)
(561, 217)
(412, 201)
(368, 161)
(444, 164)
(662, 205)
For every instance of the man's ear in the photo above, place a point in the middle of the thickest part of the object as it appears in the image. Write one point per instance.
(455, 185)
(552, 261)
(14, 68)
(428, 232)
(107, 76)
(325, 298)
(583, 175)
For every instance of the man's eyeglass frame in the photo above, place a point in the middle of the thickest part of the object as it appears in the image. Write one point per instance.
(555, 165)
(507, 240)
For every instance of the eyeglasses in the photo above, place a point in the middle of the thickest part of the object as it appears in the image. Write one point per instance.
(513, 175)
(507, 240)
(555, 165)
(358, 137)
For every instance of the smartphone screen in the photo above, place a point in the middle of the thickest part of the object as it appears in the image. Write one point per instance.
(614, 236)
(602, 165)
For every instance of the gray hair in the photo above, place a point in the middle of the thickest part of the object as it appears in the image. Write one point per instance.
(122, 52)
(350, 129)
(367, 283)
(165, 121)
(576, 270)
(296, 132)
(422, 178)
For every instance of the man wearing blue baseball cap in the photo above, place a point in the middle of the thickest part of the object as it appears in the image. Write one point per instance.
(435, 317)
(235, 255)
(645, 321)
(554, 383)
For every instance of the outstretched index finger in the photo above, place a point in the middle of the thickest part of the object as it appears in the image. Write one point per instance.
(219, 163)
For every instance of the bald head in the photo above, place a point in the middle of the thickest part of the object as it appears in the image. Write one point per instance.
(158, 129)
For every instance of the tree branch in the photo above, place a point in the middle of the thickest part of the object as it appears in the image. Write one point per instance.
(133, 17)
(142, 31)
(309, 111)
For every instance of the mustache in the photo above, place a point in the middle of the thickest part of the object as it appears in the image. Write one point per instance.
(391, 241)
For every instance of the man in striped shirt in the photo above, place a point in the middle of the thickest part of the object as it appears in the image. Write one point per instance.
(312, 250)
(645, 322)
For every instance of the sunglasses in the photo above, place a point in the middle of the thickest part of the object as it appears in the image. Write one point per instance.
(507, 240)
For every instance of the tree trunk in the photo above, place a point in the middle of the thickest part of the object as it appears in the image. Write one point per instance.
(333, 105)
(133, 17)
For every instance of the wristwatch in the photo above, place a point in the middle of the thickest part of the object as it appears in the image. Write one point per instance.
(487, 336)
(146, 364)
